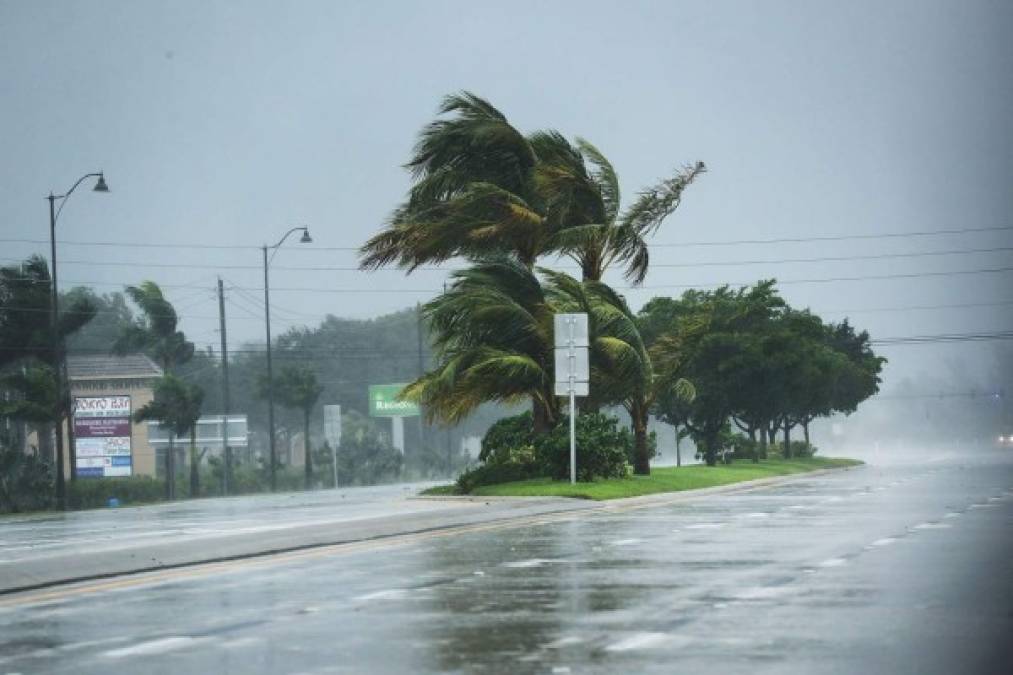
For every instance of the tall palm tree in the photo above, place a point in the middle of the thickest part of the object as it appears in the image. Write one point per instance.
(483, 188)
(176, 406)
(155, 331)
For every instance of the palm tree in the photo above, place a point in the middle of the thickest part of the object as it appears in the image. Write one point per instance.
(176, 407)
(493, 340)
(296, 387)
(483, 188)
(155, 332)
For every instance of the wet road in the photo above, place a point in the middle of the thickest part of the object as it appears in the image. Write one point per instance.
(28, 537)
(883, 569)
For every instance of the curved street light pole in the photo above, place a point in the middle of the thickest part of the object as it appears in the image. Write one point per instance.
(62, 386)
(305, 239)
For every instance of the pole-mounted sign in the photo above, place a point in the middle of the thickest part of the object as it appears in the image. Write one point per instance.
(573, 371)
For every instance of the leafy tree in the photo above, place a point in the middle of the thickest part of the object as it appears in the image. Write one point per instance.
(296, 387)
(176, 406)
(155, 331)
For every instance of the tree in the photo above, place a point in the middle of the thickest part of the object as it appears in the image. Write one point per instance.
(296, 387)
(155, 331)
(176, 407)
(26, 339)
(492, 334)
(622, 369)
(483, 188)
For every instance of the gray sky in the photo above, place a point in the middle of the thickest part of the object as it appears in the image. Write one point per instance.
(223, 124)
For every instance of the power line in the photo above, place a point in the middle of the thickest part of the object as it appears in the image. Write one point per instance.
(732, 242)
(720, 263)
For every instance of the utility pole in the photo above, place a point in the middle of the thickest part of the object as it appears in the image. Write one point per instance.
(225, 389)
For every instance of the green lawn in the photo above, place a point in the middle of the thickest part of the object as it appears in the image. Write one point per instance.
(667, 479)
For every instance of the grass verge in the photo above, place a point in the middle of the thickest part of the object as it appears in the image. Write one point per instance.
(664, 479)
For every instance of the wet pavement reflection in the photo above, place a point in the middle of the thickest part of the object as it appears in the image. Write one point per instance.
(887, 569)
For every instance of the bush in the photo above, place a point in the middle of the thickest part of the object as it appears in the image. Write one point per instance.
(506, 436)
(90, 493)
(799, 449)
(26, 482)
(603, 448)
(491, 474)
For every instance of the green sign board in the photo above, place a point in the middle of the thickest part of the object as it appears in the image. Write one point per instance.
(383, 402)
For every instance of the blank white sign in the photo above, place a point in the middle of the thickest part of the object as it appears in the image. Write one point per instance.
(566, 324)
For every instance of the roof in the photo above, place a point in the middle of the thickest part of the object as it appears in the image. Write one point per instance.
(104, 367)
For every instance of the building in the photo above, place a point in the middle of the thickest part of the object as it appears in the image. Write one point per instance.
(106, 390)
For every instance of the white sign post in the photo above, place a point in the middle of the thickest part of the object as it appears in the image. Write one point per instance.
(573, 372)
(332, 434)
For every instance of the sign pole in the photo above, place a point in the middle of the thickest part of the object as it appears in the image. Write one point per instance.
(573, 411)
(334, 460)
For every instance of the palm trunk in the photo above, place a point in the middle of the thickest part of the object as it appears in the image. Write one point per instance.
(641, 462)
(805, 432)
(753, 450)
(678, 451)
(539, 417)
(763, 441)
(787, 439)
(308, 461)
(194, 464)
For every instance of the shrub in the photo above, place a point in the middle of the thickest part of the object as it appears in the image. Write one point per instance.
(89, 493)
(490, 474)
(799, 449)
(506, 436)
(603, 448)
(26, 482)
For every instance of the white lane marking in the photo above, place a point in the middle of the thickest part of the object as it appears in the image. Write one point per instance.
(762, 592)
(240, 643)
(704, 526)
(534, 562)
(389, 594)
(757, 514)
(885, 541)
(626, 542)
(564, 642)
(159, 646)
(833, 562)
(638, 641)
(560, 669)
(952, 514)
(932, 526)
(982, 506)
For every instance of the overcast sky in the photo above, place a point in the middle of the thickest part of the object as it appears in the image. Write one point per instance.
(222, 124)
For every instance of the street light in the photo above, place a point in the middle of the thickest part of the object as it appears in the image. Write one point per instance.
(304, 239)
(62, 394)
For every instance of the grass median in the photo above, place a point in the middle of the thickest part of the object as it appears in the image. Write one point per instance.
(662, 479)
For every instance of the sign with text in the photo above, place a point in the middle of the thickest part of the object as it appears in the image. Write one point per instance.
(102, 436)
(383, 402)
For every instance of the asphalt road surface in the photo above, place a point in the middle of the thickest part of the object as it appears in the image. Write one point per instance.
(891, 568)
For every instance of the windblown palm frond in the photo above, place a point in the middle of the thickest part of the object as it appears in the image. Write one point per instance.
(154, 332)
